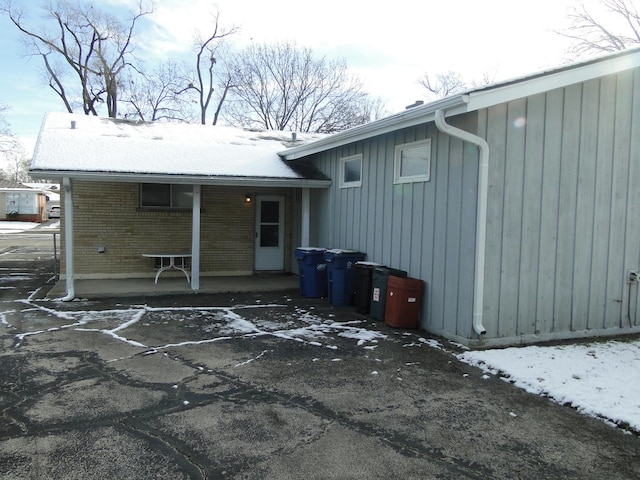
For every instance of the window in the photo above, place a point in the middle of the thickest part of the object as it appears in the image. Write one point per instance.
(164, 195)
(351, 171)
(412, 162)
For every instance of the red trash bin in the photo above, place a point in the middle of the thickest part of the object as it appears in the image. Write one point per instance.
(404, 302)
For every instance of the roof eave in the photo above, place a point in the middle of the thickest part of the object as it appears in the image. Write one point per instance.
(476, 99)
(407, 118)
(234, 181)
(547, 81)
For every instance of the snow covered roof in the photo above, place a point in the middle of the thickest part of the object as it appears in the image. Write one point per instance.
(76, 145)
(8, 186)
(42, 186)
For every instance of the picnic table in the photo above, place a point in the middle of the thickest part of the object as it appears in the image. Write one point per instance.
(172, 262)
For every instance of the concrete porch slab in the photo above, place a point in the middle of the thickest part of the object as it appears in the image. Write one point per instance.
(173, 286)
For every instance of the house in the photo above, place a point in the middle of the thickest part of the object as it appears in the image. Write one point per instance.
(221, 196)
(21, 203)
(517, 203)
(51, 193)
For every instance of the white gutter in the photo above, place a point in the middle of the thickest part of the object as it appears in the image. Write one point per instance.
(230, 181)
(481, 212)
(407, 118)
(68, 240)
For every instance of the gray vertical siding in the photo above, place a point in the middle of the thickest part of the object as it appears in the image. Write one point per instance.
(564, 211)
(425, 228)
(563, 214)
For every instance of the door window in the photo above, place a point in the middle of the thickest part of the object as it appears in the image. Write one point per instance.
(269, 223)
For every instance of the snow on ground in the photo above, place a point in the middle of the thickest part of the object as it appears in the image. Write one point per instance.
(596, 378)
(16, 227)
(52, 225)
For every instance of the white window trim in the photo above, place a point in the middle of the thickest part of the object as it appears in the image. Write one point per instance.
(343, 161)
(397, 164)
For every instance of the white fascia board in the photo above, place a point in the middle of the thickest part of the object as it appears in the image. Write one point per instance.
(32, 190)
(182, 179)
(551, 81)
(408, 118)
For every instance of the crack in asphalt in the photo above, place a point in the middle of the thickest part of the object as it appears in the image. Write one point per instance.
(136, 421)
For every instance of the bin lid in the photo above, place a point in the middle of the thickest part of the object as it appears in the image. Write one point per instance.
(311, 249)
(408, 283)
(368, 264)
(340, 251)
(391, 271)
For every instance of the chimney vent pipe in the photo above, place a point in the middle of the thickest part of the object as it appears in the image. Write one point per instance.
(416, 104)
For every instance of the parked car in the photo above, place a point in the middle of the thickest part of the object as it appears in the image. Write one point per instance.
(54, 212)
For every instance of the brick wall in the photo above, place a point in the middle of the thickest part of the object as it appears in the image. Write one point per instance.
(108, 214)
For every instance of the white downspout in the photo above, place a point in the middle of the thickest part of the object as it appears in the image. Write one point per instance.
(481, 213)
(68, 240)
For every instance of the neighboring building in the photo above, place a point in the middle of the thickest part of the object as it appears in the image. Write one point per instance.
(21, 203)
(52, 193)
(517, 203)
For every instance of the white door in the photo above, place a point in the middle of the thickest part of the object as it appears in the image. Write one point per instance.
(269, 232)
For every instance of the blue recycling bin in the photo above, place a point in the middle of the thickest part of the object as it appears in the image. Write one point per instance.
(312, 271)
(341, 275)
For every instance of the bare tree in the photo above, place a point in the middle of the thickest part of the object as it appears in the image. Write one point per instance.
(90, 45)
(154, 96)
(450, 83)
(226, 82)
(615, 27)
(8, 141)
(11, 151)
(17, 170)
(207, 49)
(444, 84)
(281, 87)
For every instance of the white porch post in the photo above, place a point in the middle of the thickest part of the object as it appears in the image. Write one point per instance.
(68, 240)
(195, 239)
(306, 217)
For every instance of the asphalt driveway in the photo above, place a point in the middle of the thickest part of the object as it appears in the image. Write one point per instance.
(259, 386)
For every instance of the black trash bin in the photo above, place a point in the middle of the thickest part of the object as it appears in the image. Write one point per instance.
(379, 280)
(364, 275)
(341, 276)
(312, 271)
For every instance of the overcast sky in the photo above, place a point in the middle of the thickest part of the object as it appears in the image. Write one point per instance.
(387, 45)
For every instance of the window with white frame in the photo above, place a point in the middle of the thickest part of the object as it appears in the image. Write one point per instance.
(165, 195)
(412, 162)
(351, 171)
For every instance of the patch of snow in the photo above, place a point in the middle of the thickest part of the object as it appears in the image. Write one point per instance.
(16, 227)
(594, 378)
